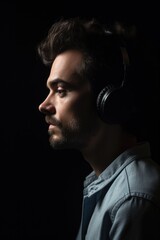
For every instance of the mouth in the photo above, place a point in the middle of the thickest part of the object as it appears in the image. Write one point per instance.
(51, 130)
(51, 126)
(52, 123)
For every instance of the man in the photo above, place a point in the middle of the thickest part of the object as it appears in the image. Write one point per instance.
(90, 107)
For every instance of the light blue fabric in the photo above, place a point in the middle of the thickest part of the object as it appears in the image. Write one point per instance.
(123, 203)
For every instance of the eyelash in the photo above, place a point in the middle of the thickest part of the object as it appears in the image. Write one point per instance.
(61, 92)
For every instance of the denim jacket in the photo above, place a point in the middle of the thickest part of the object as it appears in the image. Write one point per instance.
(123, 202)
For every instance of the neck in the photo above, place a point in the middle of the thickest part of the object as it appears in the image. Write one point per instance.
(109, 142)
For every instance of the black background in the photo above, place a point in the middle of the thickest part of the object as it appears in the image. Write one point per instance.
(41, 189)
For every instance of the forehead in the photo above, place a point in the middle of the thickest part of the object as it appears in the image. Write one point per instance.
(66, 65)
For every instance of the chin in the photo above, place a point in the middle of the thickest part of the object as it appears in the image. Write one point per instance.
(59, 146)
(57, 143)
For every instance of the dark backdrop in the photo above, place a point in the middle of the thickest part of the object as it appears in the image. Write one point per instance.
(41, 189)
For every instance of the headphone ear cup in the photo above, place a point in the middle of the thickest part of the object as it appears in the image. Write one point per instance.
(115, 104)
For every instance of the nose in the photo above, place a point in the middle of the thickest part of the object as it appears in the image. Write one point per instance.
(47, 107)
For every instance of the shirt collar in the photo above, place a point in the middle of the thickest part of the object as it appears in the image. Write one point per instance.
(139, 151)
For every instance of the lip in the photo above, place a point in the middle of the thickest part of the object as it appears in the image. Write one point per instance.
(51, 126)
(51, 122)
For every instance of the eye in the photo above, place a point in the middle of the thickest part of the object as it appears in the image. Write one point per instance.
(61, 92)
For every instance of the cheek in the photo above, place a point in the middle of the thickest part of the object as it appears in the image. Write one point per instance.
(80, 107)
(83, 108)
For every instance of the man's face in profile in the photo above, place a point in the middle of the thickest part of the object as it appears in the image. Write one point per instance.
(68, 108)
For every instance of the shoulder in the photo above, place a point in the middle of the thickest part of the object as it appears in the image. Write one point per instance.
(140, 179)
(143, 177)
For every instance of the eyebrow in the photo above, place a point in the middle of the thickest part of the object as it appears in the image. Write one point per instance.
(57, 81)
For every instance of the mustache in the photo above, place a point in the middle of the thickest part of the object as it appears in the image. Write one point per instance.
(53, 121)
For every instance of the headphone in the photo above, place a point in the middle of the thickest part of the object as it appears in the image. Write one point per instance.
(115, 104)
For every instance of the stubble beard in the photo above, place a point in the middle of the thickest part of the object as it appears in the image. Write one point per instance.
(72, 136)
